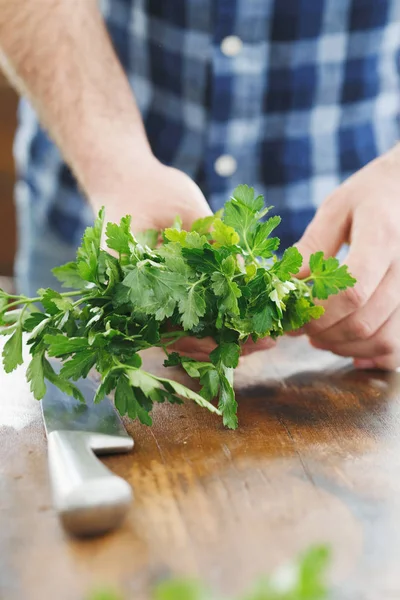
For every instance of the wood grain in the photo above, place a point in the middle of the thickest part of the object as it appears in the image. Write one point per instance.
(316, 459)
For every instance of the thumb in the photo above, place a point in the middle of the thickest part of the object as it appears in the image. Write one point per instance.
(327, 232)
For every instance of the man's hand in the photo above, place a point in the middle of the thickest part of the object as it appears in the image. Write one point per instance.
(154, 195)
(151, 192)
(363, 322)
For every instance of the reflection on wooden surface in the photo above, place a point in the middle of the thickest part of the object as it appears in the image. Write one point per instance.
(316, 459)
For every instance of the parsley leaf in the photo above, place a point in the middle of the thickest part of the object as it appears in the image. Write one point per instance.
(68, 275)
(12, 352)
(88, 253)
(119, 237)
(35, 374)
(192, 306)
(328, 276)
(289, 264)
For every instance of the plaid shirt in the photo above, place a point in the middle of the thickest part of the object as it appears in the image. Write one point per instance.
(305, 95)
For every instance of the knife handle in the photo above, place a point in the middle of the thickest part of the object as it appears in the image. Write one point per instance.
(88, 497)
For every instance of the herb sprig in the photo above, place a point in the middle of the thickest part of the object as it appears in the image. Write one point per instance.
(304, 578)
(221, 279)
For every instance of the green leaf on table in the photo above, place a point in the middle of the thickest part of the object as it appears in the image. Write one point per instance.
(180, 589)
(104, 594)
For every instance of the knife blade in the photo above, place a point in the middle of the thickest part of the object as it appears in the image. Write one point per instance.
(87, 496)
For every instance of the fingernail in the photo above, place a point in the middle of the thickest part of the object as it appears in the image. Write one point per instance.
(364, 363)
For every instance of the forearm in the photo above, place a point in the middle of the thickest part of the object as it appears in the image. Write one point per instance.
(58, 54)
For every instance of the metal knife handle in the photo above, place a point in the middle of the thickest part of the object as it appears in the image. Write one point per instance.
(88, 497)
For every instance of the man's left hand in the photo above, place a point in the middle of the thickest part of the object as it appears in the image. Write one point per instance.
(364, 321)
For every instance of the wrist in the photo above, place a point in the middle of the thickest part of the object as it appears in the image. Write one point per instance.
(104, 167)
(116, 178)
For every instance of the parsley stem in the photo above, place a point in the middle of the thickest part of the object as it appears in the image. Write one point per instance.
(253, 258)
(174, 334)
(25, 300)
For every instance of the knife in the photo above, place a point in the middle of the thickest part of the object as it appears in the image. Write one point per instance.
(88, 498)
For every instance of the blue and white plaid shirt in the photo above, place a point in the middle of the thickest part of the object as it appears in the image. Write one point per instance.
(304, 94)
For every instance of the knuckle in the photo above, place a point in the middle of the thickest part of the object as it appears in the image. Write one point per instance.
(386, 345)
(389, 230)
(360, 329)
(328, 206)
(355, 297)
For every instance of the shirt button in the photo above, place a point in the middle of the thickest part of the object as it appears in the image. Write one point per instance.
(231, 45)
(225, 165)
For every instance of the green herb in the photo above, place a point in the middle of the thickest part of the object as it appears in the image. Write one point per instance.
(302, 579)
(221, 279)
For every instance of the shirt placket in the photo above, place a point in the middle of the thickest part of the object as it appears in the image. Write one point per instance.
(220, 163)
(238, 35)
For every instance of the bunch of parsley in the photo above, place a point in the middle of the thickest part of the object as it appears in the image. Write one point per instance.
(220, 279)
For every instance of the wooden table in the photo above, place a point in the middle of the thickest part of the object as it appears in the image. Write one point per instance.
(316, 459)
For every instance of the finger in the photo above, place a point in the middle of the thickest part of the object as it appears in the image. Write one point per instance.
(327, 231)
(385, 341)
(365, 322)
(368, 262)
(199, 356)
(296, 332)
(190, 346)
(390, 362)
(265, 344)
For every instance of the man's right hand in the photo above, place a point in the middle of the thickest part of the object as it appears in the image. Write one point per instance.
(152, 193)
